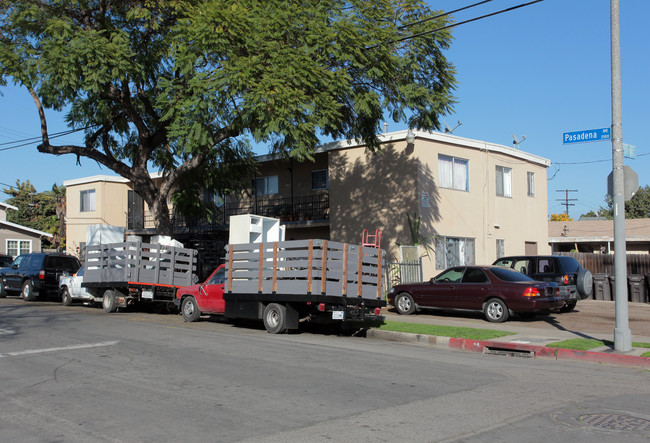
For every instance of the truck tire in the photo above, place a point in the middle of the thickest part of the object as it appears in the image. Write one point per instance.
(275, 318)
(190, 310)
(108, 301)
(66, 299)
(28, 291)
(3, 291)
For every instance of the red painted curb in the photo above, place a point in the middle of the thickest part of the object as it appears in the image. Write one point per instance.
(556, 353)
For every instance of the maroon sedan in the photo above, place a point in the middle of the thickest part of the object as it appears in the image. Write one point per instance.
(495, 290)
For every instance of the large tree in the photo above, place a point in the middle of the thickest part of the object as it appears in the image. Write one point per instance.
(181, 86)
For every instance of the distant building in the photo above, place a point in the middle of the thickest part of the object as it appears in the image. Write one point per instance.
(597, 236)
(16, 239)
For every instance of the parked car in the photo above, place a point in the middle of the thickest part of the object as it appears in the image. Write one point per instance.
(575, 282)
(495, 290)
(36, 273)
(5, 260)
(71, 290)
(203, 298)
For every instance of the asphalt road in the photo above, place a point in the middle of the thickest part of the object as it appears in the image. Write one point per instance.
(78, 374)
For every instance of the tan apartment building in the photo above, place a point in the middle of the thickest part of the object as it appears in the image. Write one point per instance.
(475, 200)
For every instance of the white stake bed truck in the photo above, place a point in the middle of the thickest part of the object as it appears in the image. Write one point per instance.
(121, 274)
(285, 283)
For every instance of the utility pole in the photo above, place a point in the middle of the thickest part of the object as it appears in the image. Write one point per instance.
(566, 199)
(622, 333)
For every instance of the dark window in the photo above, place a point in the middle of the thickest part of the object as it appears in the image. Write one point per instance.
(473, 275)
(506, 274)
(319, 179)
(63, 263)
(545, 266)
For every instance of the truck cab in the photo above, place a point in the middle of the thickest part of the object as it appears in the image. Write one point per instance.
(203, 298)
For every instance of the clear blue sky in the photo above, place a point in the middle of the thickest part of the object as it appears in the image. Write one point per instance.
(539, 71)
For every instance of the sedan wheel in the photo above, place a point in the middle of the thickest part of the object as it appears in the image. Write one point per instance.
(495, 310)
(404, 304)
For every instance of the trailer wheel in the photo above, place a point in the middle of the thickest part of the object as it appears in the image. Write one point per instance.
(108, 301)
(190, 310)
(275, 318)
(66, 299)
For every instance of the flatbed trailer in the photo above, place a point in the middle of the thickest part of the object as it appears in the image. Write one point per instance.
(121, 274)
(286, 283)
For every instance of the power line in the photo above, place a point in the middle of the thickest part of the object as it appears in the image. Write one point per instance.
(467, 21)
(32, 140)
(443, 14)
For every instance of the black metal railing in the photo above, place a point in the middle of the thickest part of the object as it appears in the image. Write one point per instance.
(309, 207)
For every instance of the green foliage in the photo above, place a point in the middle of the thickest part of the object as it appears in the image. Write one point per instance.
(636, 207)
(36, 210)
(164, 83)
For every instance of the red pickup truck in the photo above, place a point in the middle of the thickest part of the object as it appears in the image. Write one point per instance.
(203, 298)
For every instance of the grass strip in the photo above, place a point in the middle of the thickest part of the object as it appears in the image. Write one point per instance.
(443, 331)
(585, 344)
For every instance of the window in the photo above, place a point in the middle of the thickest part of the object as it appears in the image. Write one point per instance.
(17, 247)
(319, 179)
(504, 181)
(531, 184)
(87, 199)
(214, 198)
(266, 185)
(454, 251)
(452, 173)
(501, 247)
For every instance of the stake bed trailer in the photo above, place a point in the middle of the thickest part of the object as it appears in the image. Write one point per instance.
(286, 283)
(120, 274)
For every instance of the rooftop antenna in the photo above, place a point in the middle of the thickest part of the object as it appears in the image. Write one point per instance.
(449, 130)
(516, 142)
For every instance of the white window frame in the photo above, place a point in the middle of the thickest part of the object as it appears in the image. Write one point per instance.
(22, 246)
(91, 200)
(453, 172)
(504, 181)
(327, 179)
(501, 248)
(266, 185)
(531, 183)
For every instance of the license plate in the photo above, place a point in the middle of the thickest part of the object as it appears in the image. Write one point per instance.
(147, 294)
(337, 315)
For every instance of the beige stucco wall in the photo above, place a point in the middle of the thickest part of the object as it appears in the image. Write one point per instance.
(111, 199)
(378, 190)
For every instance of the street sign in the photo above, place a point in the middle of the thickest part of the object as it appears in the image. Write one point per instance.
(629, 151)
(589, 135)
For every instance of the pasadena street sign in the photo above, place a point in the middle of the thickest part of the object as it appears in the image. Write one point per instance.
(590, 135)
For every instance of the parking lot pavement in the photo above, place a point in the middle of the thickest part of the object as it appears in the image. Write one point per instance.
(591, 319)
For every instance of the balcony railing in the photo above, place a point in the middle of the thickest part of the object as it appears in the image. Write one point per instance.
(310, 207)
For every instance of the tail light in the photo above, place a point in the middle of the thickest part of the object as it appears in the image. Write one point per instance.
(41, 275)
(531, 292)
(321, 307)
(377, 311)
(565, 279)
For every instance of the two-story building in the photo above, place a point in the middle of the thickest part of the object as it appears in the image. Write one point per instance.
(474, 200)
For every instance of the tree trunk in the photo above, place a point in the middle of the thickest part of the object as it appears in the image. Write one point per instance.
(162, 218)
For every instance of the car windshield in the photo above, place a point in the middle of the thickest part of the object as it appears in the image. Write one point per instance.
(506, 274)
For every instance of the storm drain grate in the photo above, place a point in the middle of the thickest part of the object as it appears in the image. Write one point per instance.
(616, 422)
(508, 352)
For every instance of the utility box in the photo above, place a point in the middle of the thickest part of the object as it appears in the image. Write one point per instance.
(636, 288)
(250, 228)
(601, 287)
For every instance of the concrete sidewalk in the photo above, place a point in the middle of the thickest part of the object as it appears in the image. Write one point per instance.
(591, 319)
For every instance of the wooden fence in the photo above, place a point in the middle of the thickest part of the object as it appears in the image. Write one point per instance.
(637, 264)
